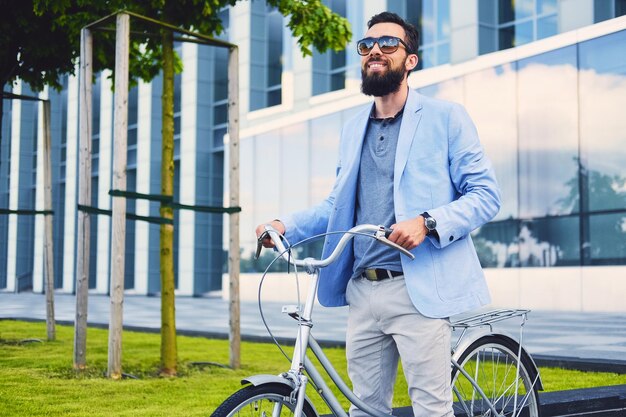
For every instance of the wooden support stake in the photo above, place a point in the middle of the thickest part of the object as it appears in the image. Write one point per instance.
(233, 174)
(84, 198)
(118, 238)
(48, 252)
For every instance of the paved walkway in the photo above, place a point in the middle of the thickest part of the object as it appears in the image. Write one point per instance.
(569, 335)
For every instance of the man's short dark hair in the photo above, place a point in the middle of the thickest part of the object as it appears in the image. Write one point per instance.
(412, 35)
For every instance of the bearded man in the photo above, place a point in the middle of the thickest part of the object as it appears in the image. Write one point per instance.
(415, 164)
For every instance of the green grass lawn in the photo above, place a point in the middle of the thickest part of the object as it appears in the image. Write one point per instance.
(37, 379)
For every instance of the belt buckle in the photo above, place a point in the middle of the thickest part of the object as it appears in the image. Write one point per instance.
(370, 275)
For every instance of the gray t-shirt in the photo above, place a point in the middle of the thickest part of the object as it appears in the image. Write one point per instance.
(374, 203)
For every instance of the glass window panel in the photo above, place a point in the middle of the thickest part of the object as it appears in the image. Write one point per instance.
(220, 114)
(620, 8)
(274, 97)
(337, 81)
(427, 22)
(132, 137)
(95, 106)
(495, 116)
(547, 26)
(497, 244)
(257, 26)
(519, 34)
(602, 126)
(337, 59)
(426, 57)
(218, 137)
(608, 239)
(325, 133)
(220, 91)
(258, 52)
(443, 53)
(487, 11)
(548, 133)
(177, 123)
(506, 37)
(443, 19)
(550, 242)
(257, 100)
(177, 92)
(602, 10)
(132, 158)
(486, 40)
(546, 6)
(133, 96)
(275, 48)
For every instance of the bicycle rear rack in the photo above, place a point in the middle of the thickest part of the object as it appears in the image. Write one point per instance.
(488, 318)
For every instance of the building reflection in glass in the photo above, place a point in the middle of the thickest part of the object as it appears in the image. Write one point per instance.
(552, 124)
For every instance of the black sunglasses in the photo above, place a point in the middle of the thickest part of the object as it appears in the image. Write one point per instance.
(387, 45)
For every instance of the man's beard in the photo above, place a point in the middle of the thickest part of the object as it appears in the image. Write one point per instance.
(380, 85)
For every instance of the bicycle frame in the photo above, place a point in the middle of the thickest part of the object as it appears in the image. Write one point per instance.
(298, 381)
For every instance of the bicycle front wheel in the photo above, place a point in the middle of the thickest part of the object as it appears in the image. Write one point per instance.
(262, 401)
(491, 361)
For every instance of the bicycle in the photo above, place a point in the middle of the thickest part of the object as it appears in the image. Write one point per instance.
(492, 374)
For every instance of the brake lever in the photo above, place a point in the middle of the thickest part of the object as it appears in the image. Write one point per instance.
(259, 244)
(383, 233)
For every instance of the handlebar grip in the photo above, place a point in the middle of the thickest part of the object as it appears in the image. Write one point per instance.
(388, 231)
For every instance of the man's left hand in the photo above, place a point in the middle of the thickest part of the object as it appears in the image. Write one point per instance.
(409, 233)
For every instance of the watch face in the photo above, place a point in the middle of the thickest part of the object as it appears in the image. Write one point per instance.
(431, 224)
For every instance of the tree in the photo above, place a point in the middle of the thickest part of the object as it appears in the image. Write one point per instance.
(312, 23)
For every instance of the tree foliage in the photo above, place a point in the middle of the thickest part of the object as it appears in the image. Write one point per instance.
(312, 23)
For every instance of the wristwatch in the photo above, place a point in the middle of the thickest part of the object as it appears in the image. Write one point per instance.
(430, 223)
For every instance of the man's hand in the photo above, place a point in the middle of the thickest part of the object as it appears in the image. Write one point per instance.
(276, 224)
(409, 233)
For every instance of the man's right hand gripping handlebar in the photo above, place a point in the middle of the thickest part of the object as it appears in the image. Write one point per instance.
(263, 237)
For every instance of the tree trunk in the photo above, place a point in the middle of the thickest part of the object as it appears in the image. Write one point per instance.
(168, 312)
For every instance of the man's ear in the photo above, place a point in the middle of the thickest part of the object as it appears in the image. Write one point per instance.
(411, 62)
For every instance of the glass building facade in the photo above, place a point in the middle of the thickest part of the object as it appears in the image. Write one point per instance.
(544, 81)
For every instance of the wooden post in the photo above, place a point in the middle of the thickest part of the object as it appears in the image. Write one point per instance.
(120, 133)
(48, 252)
(84, 198)
(233, 174)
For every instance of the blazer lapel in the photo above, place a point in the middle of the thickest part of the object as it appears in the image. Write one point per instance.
(410, 121)
(353, 156)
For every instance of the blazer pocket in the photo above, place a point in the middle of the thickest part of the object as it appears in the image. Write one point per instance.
(454, 272)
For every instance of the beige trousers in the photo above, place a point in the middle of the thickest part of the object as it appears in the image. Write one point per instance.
(384, 326)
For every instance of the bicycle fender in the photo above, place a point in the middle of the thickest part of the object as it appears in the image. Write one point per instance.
(257, 380)
(475, 335)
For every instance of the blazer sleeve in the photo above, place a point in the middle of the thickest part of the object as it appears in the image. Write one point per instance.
(471, 172)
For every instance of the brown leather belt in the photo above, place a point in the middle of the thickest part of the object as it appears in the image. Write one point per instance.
(379, 274)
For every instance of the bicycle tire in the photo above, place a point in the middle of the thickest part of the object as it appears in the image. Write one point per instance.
(258, 401)
(491, 360)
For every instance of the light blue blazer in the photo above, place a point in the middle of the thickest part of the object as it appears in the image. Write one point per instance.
(440, 167)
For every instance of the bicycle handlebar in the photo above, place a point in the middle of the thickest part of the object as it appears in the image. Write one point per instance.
(380, 233)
